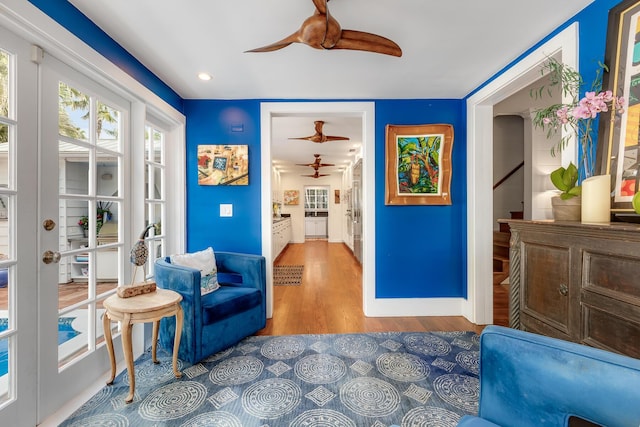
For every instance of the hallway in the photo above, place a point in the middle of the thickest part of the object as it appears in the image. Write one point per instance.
(330, 298)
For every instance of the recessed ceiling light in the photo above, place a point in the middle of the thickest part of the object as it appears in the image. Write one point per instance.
(204, 76)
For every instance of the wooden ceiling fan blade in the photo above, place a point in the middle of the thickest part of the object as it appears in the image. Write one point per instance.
(306, 138)
(335, 138)
(293, 38)
(360, 40)
(321, 6)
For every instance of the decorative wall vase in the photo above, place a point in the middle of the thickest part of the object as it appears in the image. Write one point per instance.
(566, 210)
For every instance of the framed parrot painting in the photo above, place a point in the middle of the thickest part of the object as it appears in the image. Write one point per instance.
(418, 164)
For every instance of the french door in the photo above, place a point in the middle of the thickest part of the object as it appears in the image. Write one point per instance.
(84, 214)
(18, 240)
(63, 215)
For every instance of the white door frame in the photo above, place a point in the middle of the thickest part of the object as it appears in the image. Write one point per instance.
(21, 382)
(479, 304)
(365, 110)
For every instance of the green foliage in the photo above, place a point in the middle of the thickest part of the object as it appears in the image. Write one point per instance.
(565, 180)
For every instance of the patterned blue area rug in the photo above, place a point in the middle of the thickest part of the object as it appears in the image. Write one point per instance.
(345, 380)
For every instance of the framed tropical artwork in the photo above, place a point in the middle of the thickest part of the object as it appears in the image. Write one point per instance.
(418, 164)
(223, 164)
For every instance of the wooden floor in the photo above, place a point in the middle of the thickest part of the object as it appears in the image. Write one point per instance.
(330, 298)
(68, 293)
(328, 301)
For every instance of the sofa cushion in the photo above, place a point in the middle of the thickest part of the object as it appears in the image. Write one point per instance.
(205, 261)
(228, 301)
(209, 283)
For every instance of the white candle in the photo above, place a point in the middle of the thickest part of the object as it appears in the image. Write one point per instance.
(596, 199)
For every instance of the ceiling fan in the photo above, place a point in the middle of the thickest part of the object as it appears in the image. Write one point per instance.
(316, 163)
(320, 137)
(322, 31)
(317, 174)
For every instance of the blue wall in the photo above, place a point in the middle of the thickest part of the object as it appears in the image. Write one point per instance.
(210, 122)
(421, 250)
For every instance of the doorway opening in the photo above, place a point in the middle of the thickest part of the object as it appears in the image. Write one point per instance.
(364, 113)
(480, 115)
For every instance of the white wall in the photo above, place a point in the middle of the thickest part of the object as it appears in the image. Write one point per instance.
(537, 152)
(508, 153)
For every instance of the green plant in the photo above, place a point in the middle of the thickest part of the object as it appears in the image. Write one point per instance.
(84, 222)
(565, 180)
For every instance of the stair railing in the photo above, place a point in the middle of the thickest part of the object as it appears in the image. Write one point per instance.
(507, 176)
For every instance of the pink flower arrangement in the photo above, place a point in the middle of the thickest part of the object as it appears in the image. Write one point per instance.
(577, 115)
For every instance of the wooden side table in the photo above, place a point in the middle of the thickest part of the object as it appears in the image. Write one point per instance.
(149, 307)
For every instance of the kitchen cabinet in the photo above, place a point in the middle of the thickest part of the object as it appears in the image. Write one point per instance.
(577, 282)
(315, 227)
(281, 236)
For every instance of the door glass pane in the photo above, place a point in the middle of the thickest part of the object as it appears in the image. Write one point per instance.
(108, 127)
(73, 113)
(72, 335)
(74, 168)
(107, 175)
(4, 83)
(4, 155)
(153, 184)
(4, 363)
(75, 289)
(107, 266)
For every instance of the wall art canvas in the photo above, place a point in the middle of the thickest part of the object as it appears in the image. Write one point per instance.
(619, 137)
(418, 164)
(291, 197)
(223, 164)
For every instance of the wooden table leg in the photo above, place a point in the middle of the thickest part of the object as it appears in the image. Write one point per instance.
(106, 326)
(176, 341)
(154, 341)
(128, 355)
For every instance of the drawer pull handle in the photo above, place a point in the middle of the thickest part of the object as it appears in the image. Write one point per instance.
(563, 290)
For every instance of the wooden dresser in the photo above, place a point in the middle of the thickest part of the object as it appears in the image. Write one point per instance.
(578, 282)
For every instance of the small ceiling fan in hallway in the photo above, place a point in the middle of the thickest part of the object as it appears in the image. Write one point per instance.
(317, 163)
(317, 174)
(320, 137)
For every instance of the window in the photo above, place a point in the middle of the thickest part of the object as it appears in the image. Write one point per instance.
(316, 198)
(155, 199)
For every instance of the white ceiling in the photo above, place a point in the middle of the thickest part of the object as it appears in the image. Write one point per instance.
(449, 49)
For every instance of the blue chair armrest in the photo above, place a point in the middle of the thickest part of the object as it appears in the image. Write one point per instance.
(252, 268)
(185, 281)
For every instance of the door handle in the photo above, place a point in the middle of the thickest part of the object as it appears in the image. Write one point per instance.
(49, 257)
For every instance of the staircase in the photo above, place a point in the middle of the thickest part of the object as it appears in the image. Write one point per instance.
(501, 250)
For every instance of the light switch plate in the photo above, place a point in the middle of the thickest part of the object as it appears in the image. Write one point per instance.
(226, 210)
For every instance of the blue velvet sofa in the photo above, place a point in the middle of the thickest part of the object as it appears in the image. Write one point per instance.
(218, 320)
(533, 380)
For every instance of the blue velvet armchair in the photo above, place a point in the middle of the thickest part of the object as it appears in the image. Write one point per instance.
(217, 320)
(532, 380)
